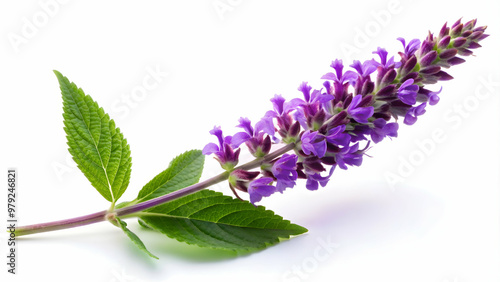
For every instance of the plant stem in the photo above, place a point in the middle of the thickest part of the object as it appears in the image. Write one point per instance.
(62, 224)
(172, 196)
(130, 210)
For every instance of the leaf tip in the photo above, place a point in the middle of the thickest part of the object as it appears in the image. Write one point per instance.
(61, 78)
(58, 74)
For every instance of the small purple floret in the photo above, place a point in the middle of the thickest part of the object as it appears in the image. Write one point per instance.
(412, 46)
(383, 129)
(260, 188)
(224, 152)
(359, 114)
(337, 136)
(338, 76)
(314, 180)
(407, 92)
(349, 156)
(285, 171)
(313, 143)
(413, 113)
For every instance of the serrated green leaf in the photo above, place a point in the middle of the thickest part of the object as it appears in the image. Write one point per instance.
(137, 241)
(210, 219)
(183, 171)
(96, 144)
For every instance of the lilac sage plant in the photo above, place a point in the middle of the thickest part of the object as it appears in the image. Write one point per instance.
(326, 128)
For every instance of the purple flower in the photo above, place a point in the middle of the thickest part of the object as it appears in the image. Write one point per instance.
(312, 143)
(278, 104)
(413, 113)
(265, 125)
(306, 90)
(300, 116)
(281, 107)
(257, 143)
(260, 188)
(359, 133)
(407, 92)
(338, 77)
(283, 117)
(239, 179)
(384, 63)
(365, 69)
(285, 171)
(224, 152)
(383, 129)
(411, 48)
(310, 112)
(359, 114)
(433, 97)
(337, 136)
(349, 156)
(314, 179)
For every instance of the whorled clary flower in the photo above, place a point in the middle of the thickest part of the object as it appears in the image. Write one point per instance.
(328, 126)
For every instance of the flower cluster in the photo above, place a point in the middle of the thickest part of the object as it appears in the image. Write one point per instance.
(328, 126)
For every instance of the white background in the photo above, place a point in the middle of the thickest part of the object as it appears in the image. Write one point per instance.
(219, 60)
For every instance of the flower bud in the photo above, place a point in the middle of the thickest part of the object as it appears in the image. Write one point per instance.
(443, 43)
(428, 58)
(447, 54)
(459, 42)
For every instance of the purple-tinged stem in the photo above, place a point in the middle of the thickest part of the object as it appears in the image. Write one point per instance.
(104, 215)
(62, 224)
(172, 196)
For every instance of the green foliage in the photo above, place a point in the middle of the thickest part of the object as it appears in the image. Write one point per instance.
(205, 218)
(134, 238)
(210, 219)
(96, 144)
(183, 171)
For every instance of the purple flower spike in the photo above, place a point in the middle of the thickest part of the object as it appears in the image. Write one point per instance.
(413, 113)
(359, 114)
(324, 128)
(407, 92)
(314, 179)
(260, 188)
(285, 171)
(312, 143)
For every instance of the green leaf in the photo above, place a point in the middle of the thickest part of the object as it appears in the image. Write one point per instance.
(137, 241)
(144, 225)
(183, 171)
(97, 146)
(210, 219)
